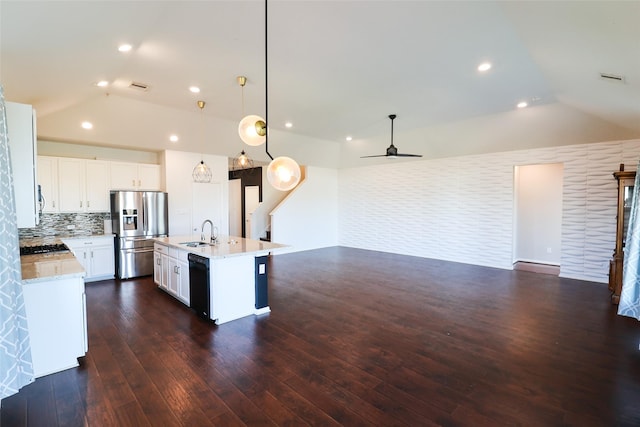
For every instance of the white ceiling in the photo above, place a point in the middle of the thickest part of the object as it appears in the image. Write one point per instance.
(336, 68)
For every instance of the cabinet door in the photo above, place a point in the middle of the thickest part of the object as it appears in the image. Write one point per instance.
(21, 132)
(84, 257)
(157, 268)
(71, 184)
(174, 276)
(97, 187)
(164, 279)
(102, 261)
(183, 283)
(149, 177)
(48, 180)
(124, 176)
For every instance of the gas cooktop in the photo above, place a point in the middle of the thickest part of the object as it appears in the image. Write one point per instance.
(43, 249)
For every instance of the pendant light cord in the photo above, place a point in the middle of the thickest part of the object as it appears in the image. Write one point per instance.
(266, 85)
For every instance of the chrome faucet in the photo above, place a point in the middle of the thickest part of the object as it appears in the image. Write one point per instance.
(214, 234)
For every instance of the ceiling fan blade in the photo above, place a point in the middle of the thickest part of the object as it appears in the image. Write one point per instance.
(392, 151)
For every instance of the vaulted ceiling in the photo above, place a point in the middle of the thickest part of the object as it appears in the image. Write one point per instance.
(335, 69)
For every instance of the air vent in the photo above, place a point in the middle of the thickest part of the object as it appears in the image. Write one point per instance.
(612, 77)
(139, 86)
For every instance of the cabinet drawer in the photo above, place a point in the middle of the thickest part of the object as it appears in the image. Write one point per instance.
(161, 248)
(178, 254)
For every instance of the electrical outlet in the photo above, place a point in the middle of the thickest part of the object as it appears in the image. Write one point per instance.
(71, 227)
(548, 250)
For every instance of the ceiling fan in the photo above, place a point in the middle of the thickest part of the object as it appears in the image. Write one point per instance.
(392, 151)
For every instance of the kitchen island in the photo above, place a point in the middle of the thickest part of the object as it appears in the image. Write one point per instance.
(54, 299)
(236, 282)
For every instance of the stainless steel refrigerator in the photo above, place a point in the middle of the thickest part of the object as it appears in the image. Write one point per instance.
(136, 218)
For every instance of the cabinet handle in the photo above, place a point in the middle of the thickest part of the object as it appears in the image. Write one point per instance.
(80, 203)
(133, 182)
(177, 269)
(84, 255)
(53, 204)
(158, 261)
(88, 203)
(139, 183)
(91, 254)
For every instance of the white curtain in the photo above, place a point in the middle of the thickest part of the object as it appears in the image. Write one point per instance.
(630, 295)
(16, 369)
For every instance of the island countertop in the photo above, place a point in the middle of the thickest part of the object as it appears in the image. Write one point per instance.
(225, 246)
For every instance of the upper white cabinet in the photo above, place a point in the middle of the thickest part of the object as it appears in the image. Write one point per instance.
(134, 176)
(21, 130)
(48, 180)
(83, 185)
(79, 185)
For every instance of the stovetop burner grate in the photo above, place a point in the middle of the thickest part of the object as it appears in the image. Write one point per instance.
(43, 249)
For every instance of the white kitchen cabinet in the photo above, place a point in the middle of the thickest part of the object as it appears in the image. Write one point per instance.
(179, 274)
(134, 176)
(57, 319)
(83, 185)
(161, 265)
(171, 271)
(48, 180)
(96, 254)
(21, 130)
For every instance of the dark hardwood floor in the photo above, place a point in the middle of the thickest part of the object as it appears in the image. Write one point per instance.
(355, 338)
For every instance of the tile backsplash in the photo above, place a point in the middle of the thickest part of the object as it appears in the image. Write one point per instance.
(67, 224)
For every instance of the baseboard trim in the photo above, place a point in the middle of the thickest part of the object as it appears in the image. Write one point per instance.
(537, 268)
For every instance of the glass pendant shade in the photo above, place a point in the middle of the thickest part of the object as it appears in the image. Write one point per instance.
(252, 130)
(242, 161)
(283, 173)
(202, 172)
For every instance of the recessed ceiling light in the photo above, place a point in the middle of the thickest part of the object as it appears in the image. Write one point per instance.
(348, 138)
(102, 83)
(522, 104)
(485, 66)
(288, 125)
(87, 125)
(194, 89)
(124, 48)
(174, 138)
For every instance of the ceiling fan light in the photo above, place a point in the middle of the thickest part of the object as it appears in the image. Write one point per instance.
(283, 173)
(252, 130)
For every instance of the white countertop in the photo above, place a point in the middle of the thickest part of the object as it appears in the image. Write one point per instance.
(226, 246)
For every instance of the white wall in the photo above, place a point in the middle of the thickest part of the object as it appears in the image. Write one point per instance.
(186, 198)
(538, 213)
(308, 217)
(461, 209)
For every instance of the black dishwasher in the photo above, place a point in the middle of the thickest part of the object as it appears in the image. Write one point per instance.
(199, 289)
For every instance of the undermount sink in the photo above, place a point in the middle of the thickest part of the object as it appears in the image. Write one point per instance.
(196, 244)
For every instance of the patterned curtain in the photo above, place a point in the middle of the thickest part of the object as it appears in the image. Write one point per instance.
(630, 293)
(16, 369)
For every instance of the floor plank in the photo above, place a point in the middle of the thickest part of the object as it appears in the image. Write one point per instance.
(355, 337)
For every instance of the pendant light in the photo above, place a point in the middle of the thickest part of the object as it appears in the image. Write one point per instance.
(283, 173)
(202, 172)
(252, 129)
(242, 161)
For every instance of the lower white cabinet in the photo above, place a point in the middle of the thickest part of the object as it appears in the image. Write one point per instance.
(57, 319)
(171, 271)
(96, 254)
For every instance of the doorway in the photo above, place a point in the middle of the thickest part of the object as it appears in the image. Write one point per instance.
(538, 217)
(239, 181)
